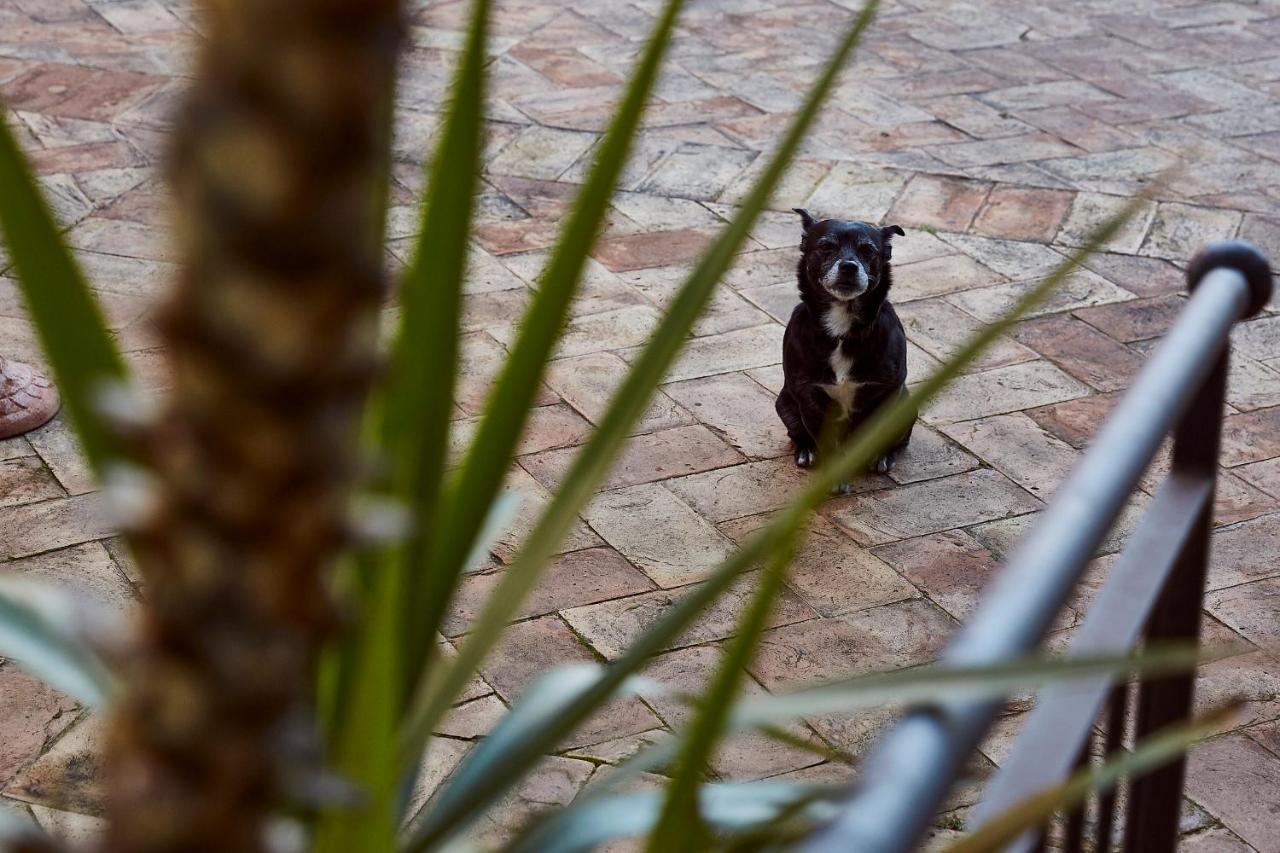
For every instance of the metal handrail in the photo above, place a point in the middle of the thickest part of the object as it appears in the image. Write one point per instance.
(910, 770)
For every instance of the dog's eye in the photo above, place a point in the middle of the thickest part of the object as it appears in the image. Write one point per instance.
(827, 243)
(865, 250)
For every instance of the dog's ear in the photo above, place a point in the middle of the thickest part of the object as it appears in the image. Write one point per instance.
(806, 218)
(890, 230)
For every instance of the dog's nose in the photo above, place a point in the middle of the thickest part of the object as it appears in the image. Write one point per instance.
(848, 266)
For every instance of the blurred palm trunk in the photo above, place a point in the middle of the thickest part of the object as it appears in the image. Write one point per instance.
(278, 171)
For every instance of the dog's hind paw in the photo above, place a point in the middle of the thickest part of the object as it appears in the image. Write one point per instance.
(806, 456)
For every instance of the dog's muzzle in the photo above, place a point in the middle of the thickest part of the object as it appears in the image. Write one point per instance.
(846, 279)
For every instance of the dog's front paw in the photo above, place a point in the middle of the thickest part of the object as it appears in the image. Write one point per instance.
(884, 463)
(806, 456)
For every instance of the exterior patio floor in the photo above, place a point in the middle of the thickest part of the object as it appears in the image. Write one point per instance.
(996, 134)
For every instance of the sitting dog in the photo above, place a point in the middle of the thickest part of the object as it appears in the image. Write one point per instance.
(844, 353)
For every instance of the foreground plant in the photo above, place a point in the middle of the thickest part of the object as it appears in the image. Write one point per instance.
(245, 697)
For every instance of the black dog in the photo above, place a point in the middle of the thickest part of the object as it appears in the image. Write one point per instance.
(844, 353)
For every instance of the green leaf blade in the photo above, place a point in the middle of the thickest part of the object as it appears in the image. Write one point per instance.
(592, 462)
(481, 475)
(680, 827)
(417, 402)
(366, 679)
(877, 434)
(42, 628)
(65, 314)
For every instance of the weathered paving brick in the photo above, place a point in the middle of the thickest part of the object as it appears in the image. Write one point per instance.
(1003, 535)
(86, 570)
(659, 211)
(726, 311)
(874, 518)
(737, 409)
(1137, 320)
(1243, 552)
(541, 152)
(757, 346)
(31, 715)
(748, 489)
(1001, 390)
(888, 637)
(848, 195)
(1020, 213)
(1178, 231)
(1264, 475)
(893, 635)
(948, 204)
(929, 456)
(975, 118)
(1081, 289)
(1142, 276)
(481, 361)
(1237, 500)
(67, 776)
(1250, 384)
(1074, 421)
(771, 266)
(531, 648)
(25, 479)
(51, 524)
(611, 626)
(1081, 350)
(1019, 449)
(1225, 775)
(746, 755)
(776, 300)
(951, 567)
(698, 171)
(1090, 211)
(830, 571)
(659, 533)
(644, 459)
(1237, 671)
(1125, 172)
(1258, 338)
(610, 330)
(571, 580)
(939, 276)
(548, 427)
(533, 498)
(553, 782)
(941, 329)
(588, 383)
(1011, 258)
(1077, 128)
(651, 249)
(1011, 149)
(1050, 94)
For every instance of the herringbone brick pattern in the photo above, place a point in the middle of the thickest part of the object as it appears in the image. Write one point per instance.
(996, 133)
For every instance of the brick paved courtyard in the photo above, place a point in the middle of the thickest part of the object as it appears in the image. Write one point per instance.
(997, 134)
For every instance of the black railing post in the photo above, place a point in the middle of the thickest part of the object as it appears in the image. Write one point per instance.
(1158, 583)
(1155, 800)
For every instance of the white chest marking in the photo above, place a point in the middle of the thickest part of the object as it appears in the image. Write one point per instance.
(844, 390)
(838, 320)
